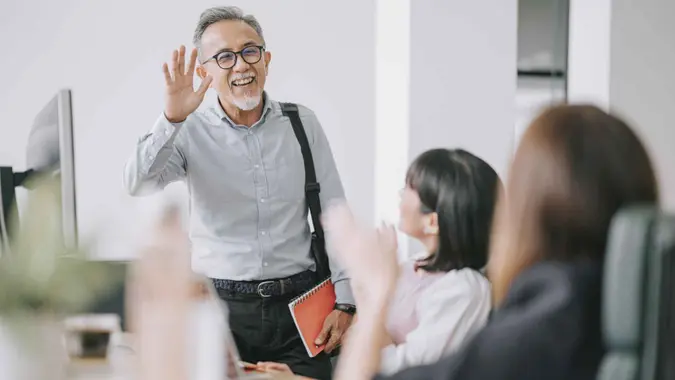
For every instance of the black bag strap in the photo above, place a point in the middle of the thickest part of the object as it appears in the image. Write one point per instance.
(312, 187)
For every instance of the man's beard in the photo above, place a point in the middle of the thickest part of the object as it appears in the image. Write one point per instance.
(247, 102)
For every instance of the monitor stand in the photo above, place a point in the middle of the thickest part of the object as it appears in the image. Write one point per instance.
(9, 181)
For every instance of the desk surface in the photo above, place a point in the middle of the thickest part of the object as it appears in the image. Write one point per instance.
(103, 370)
(121, 362)
(121, 356)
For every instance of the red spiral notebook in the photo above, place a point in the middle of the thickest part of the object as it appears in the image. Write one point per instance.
(310, 310)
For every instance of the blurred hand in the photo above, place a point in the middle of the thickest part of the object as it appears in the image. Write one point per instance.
(334, 327)
(272, 367)
(160, 294)
(181, 98)
(279, 369)
(368, 255)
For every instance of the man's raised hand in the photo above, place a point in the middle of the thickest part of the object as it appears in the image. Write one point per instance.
(181, 98)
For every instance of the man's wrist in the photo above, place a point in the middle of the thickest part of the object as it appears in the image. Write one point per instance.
(346, 308)
(175, 121)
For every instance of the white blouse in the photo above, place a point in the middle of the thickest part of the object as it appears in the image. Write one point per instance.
(432, 314)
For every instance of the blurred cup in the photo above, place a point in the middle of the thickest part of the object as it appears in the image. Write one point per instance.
(90, 336)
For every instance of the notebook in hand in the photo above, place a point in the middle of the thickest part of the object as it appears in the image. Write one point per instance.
(309, 312)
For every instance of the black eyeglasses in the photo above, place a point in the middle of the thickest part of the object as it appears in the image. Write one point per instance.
(227, 59)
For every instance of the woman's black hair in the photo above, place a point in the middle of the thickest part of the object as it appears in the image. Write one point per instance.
(462, 190)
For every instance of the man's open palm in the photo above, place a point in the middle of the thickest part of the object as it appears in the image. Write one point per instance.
(181, 98)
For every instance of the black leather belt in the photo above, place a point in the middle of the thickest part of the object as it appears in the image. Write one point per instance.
(296, 284)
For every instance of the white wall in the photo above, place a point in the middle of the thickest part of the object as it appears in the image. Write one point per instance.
(589, 52)
(110, 54)
(621, 58)
(463, 78)
(642, 80)
(392, 106)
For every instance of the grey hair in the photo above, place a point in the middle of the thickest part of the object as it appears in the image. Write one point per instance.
(217, 14)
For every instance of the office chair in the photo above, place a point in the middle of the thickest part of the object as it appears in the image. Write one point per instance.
(638, 310)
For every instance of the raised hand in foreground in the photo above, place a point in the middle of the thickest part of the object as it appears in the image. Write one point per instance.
(370, 258)
(369, 255)
(181, 98)
(160, 293)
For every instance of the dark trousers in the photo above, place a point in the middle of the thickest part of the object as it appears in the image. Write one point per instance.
(264, 330)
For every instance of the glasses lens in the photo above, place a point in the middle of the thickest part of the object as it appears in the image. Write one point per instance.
(226, 59)
(251, 54)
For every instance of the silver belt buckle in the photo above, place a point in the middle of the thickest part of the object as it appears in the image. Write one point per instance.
(260, 289)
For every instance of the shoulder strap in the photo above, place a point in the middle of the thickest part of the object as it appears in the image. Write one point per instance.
(312, 187)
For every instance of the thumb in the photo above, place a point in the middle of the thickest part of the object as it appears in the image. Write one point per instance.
(204, 86)
(323, 335)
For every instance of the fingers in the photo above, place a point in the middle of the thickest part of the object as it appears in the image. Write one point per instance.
(204, 86)
(177, 68)
(274, 367)
(248, 365)
(333, 342)
(342, 230)
(387, 238)
(323, 335)
(339, 219)
(167, 74)
(191, 65)
(167, 254)
(181, 59)
(174, 64)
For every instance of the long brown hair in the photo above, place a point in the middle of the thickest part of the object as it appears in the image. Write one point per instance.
(574, 168)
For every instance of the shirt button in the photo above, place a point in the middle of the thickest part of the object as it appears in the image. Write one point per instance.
(150, 156)
(256, 166)
(265, 264)
(263, 233)
(262, 200)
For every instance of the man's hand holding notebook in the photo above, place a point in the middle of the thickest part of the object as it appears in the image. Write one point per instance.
(309, 311)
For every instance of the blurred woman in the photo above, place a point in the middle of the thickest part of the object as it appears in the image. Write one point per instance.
(574, 169)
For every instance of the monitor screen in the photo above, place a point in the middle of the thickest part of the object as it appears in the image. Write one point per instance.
(50, 152)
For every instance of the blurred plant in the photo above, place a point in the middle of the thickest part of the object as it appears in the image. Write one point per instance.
(40, 276)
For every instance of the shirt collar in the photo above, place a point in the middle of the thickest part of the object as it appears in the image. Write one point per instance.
(218, 109)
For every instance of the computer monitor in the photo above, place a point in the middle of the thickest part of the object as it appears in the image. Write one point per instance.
(50, 152)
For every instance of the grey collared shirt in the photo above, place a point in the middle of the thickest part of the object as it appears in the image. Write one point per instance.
(248, 215)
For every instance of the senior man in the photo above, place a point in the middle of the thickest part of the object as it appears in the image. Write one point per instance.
(244, 169)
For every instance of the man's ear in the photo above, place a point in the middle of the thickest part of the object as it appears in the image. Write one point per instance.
(201, 72)
(268, 58)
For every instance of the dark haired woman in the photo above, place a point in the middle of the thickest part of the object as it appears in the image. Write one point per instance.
(441, 296)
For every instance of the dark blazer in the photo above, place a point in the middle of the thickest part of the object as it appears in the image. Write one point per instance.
(547, 328)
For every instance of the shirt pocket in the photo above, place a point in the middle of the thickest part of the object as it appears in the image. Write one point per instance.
(223, 178)
(287, 179)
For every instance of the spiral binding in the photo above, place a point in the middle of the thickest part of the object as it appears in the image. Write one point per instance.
(303, 297)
